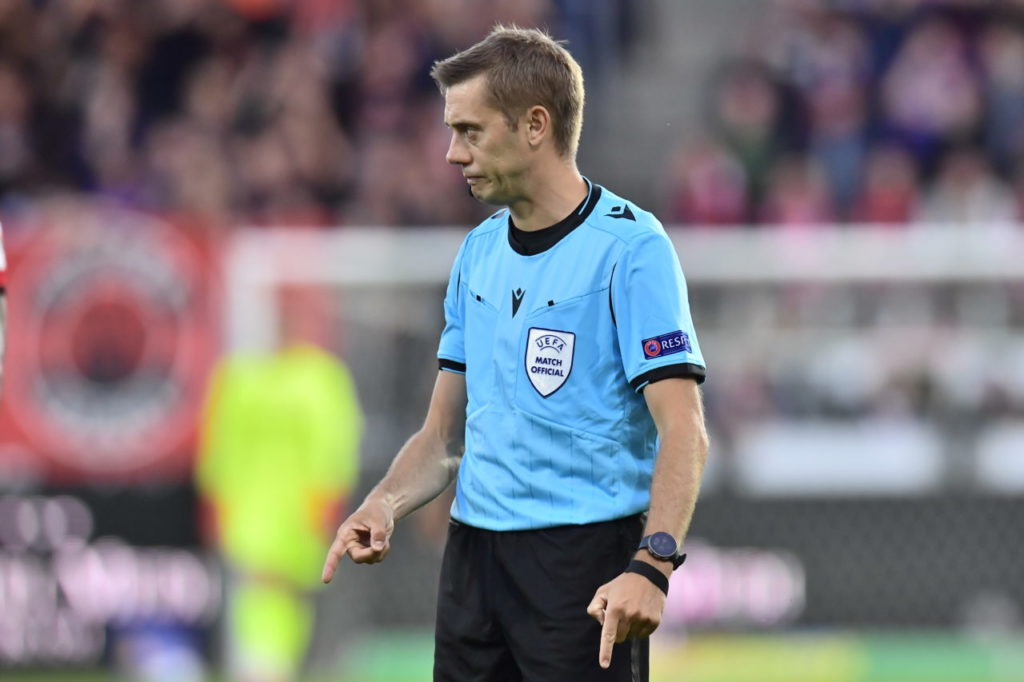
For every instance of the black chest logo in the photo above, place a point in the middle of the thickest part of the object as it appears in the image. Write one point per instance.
(517, 298)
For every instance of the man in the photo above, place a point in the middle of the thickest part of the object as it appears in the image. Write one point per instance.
(278, 457)
(567, 402)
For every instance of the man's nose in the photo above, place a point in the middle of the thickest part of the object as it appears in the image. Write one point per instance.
(457, 153)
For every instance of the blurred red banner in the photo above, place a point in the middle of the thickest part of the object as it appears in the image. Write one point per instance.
(113, 325)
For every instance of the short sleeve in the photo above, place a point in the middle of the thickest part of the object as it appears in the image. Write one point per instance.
(652, 314)
(451, 352)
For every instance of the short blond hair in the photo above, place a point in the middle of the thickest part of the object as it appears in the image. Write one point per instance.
(524, 67)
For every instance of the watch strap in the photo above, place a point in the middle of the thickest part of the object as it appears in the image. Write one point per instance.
(650, 572)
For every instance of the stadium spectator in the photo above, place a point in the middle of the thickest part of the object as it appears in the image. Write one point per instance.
(17, 158)
(1002, 58)
(967, 192)
(838, 144)
(890, 193)
(183, 170)
(798, 195)
(746, 108)
(816, 45)
(706, 186)
(930, 96)
(1018, 190)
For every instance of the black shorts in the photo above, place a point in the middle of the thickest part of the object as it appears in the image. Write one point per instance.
(512, 606)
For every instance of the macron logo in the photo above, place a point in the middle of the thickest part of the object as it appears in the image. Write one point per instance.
(621, 212)
(517, 298)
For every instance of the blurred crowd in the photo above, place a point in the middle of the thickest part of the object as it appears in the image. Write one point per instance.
(862, 111)
(253, 111)
(843, 352)
(323, 112)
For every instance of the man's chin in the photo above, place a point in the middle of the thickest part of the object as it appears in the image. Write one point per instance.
(483, 197)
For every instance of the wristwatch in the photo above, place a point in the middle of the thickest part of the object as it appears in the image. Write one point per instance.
(663, 546)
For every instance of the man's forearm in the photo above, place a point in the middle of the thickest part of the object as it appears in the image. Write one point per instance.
(678, 411)
(676, 480)
(424, 467)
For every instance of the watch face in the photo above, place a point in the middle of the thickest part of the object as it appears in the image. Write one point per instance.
(663, 544)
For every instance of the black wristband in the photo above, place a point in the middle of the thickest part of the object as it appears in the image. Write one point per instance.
(649, 572)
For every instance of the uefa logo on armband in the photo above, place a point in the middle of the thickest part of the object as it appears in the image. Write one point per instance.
(666, 344)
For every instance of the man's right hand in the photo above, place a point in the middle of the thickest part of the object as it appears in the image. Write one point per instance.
(364, 537)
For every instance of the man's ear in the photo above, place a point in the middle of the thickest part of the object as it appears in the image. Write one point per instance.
(537, 121)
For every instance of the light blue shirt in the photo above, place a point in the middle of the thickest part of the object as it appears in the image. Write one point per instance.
(556, 348)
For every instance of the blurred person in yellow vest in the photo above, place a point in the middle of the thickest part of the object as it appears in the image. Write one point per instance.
(278, 458)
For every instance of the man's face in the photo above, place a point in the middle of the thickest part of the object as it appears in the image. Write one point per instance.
(493, 157)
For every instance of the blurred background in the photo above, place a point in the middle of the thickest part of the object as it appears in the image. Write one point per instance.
(197, 193)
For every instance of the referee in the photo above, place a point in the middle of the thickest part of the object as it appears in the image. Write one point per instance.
(566, 406)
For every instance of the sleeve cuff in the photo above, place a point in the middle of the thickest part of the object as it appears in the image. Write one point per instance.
(451, 366)
(686, 370)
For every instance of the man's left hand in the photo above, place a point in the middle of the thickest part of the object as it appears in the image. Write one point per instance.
(628, 606)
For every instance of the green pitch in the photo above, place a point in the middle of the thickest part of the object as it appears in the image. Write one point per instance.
(896, 656)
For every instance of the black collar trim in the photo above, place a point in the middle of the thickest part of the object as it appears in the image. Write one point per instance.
(538, 241)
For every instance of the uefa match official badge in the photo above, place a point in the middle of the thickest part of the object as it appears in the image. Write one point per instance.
(549, 354)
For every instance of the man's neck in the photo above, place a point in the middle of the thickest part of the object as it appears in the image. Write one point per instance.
(552, 195)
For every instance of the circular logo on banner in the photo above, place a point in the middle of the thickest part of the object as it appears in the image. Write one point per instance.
(111, 338)
(652, 348)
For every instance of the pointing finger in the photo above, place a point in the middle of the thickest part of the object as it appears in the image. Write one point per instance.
(608, 632)
(334, 555)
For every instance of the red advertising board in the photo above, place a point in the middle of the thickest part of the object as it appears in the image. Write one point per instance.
(113, 325)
